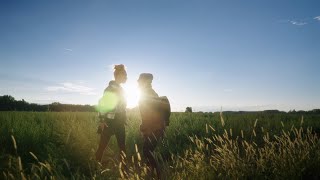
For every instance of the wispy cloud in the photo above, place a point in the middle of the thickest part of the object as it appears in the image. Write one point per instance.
(72, 88)
(298, 23)
(66, 49)
(301, 22)
(317, 18)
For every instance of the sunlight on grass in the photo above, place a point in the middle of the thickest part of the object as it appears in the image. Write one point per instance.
(195, 146)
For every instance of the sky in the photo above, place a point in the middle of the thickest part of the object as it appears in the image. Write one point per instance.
(209, 55)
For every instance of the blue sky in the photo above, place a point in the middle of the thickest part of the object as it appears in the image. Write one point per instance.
(238, 55)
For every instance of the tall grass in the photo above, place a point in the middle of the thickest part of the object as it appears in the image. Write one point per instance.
(195, 146)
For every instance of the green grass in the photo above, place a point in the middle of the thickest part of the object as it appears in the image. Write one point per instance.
(196, 146)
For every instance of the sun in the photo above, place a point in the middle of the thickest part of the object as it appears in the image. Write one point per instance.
(132, 94)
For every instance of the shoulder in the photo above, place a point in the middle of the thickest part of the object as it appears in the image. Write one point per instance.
(113, 87)
(148, 96)
(151, 93)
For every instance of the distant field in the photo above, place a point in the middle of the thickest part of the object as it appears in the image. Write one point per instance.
(196, 146)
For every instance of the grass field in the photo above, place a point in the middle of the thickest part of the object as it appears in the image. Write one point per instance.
(196, 146)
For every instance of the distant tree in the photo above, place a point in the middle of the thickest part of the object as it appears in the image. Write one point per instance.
(189, 110)
(271, 111)
(8, 103)
(315, 110)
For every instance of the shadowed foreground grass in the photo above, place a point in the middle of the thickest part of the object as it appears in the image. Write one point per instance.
(196, 146)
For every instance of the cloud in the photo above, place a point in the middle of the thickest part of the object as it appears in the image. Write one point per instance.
(301, 22)
(72, 88)
(298, 23)
(66, 49)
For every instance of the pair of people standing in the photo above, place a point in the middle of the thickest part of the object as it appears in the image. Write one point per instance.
(112, 112)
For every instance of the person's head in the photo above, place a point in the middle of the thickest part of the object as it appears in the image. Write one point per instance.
(120, 74)
(145, 80)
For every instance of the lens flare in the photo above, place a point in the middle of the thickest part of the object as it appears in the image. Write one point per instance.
(132, 95)
(108, 102)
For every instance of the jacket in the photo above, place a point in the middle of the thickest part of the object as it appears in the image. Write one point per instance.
(112, 105)
(151, 119)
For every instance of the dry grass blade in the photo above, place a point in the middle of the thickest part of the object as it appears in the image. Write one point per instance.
(221, 119)
(255, 123)
(34, 156)
(14, 142)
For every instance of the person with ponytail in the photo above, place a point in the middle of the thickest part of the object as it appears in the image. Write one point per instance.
(112, 113)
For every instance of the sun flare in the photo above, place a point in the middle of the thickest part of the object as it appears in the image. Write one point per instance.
(132, 95)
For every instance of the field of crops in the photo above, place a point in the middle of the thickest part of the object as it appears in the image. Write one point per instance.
(196, 146)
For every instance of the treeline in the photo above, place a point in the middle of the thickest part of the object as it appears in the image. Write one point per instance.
(313, 111)
(8, 103)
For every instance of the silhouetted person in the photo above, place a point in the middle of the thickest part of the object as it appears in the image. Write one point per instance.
(153, 125)
(112, 112)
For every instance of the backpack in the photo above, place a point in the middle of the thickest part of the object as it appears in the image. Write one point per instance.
(164, 109)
